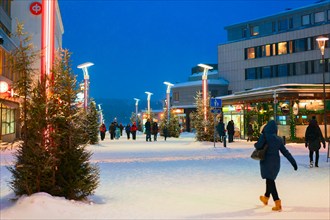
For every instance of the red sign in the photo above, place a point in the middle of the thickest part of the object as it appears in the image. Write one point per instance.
(36, 8)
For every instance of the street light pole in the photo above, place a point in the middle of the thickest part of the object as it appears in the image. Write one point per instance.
(136, 109)
(168, 91)
(205, 89)
(148, 99)
(321, 42)
(84, 67)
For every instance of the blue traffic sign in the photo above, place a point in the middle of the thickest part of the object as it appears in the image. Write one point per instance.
(215, 103)
(216, 111)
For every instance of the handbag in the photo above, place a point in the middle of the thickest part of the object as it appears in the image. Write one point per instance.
(259, 154)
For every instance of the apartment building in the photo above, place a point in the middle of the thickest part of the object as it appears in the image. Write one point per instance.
(276, 61)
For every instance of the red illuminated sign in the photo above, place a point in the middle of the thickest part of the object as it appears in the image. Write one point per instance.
(36, 8)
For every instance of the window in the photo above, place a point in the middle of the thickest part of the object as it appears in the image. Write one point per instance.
(300, 45)
(274, 27)
(328, 15)
(266, 50)
(266, 72)
(306, 20)
(251, 53)
(250, 73)
(176, 96)
(300, 68)
(254, 30)
(283, 70)
(319, 17)
(274, 49)
(282, 48)
(290, 23)
(8, 120)
(244, 33)
(283, 25)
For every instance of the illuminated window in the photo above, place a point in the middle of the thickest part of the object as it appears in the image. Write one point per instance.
(251, 53)
(8, 120)
(266, 50)
(319, 17)
(254, 30)
(274, 49)
(282, 48)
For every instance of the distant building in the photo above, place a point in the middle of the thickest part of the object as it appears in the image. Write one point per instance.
(28, 14)
(183, 100)
(271, 53)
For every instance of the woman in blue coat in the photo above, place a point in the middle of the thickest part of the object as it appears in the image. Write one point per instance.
(270, 166)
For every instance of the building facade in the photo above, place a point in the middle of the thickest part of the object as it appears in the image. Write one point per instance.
(277, 50)
(28, 13)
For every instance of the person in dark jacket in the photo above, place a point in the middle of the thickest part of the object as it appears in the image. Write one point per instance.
(112, 130)
(221, 130)
(147, 127)
(128, 131)
(313, 139)
(270, 166)
(155, 130)
(165, 132)
(230, 131)
(250, 132)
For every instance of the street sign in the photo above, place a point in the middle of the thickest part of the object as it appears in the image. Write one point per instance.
(215, 103)
(216, 111)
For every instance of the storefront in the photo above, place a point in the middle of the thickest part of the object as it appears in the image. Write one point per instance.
(291, 105)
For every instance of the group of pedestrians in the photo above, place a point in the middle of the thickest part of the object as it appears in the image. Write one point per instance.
(116, 130)
(230, 129)
(153, 129)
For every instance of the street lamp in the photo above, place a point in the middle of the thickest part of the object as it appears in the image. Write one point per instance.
(205, 89)
(101, 114)
(321, 42)
(84, 67)
(136, 109)
(148, 98)
(168, 91)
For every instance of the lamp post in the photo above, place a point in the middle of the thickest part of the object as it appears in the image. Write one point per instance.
(168, 91)
(205, 89)
(321, 42)
(136, 109)
(148, 99)
(84, 67)
(101, 114)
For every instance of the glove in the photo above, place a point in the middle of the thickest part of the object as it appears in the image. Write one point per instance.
(295, 167)
(306, 144)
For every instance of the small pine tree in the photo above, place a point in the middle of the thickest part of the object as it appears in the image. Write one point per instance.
(33, 163)
(173, 125)
(76, 178)
(93, 124)
(198, 120)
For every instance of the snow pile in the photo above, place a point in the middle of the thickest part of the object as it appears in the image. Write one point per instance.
(181, 179)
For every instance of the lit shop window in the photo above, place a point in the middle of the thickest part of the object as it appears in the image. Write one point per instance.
(282, 48)
(306, 20)
(319, 17)
(254, 30)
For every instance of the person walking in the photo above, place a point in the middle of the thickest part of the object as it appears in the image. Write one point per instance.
(221, 130)
(147, 127)
(155, 130)
(165, 132)
(133, 130)
(230, 131)
(270, 166)
(250, 132)
(121, 127)
(128, 131)
(103, 129)
(112, 130)
(313, 139)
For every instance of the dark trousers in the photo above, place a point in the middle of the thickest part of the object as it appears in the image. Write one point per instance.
(134, 135)
(148, 136)
(102, 135)
(155, 136)
(316, 156)
(128, 135)
(271, 189)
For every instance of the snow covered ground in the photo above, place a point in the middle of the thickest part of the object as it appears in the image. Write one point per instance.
(181, 179)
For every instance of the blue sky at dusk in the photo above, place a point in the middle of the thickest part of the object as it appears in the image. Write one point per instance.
(137, 45)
